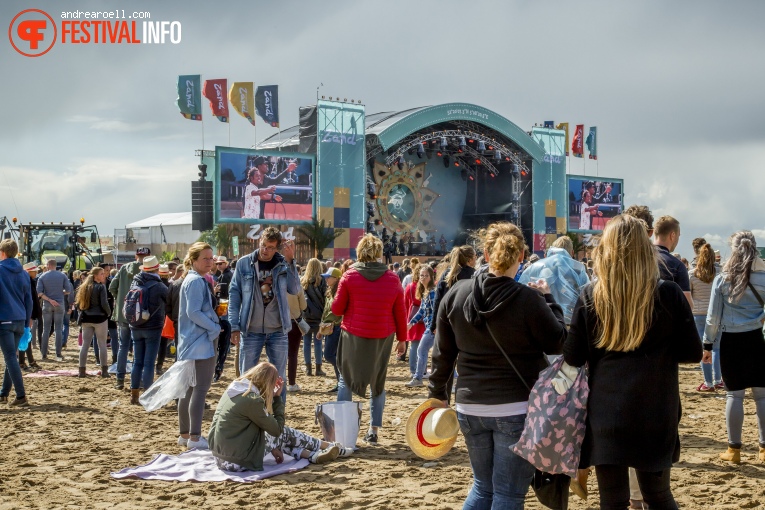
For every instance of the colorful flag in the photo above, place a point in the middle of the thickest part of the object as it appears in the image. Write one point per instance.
(215, 92)
(190, 96)
(577, 144)
(267, 104)
(564, 127)
(592, 142)
(241, 98)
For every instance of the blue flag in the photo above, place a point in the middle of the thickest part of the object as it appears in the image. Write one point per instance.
(592, 142)
(267, 104)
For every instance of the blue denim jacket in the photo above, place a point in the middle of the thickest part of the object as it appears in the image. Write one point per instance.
(240, 292)
(746, 315)
(198, 325)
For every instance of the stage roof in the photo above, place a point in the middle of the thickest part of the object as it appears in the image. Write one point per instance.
(391, 127)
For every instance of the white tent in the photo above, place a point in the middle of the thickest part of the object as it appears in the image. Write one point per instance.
(175, 226)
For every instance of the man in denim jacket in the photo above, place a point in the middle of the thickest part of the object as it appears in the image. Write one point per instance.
(262, 319)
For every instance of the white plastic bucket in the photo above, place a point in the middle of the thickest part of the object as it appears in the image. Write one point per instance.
(340, 422)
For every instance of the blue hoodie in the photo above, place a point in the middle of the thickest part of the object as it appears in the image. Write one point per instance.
(15, 293)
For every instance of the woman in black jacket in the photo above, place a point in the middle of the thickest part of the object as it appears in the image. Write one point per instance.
(632, 329)
(475, 318)
(315, 289)
(93, 306)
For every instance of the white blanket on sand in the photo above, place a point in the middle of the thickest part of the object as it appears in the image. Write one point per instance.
(199, 466)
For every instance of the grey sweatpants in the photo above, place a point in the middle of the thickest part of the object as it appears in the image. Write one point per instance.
(88, 330)
(191, 408)
(734, 414)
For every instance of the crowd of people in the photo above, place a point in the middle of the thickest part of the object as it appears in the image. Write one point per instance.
(630, 315)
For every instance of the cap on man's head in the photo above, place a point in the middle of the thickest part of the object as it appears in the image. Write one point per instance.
(172, 264)
(221, 259)
(30, 266)
(259, 160)
(143, 251)
(396, 264)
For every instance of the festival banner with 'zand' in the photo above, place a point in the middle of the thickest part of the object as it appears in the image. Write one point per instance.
(241, 98)
(577, 145)
(190, 96)
(592, 142)
(215, 92)
(267, 104)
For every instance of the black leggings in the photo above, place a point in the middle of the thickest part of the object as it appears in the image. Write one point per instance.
(614, 487)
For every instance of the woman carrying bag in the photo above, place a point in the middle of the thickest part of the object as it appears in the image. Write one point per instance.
(198, 331)
(315, 288)
(93, 305)
(478, 319)
(632, 329)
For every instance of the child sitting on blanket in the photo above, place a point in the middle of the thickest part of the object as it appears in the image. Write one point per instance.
(249, 423)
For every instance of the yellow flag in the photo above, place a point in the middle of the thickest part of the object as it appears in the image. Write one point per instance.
(564, 127)
(242, 98)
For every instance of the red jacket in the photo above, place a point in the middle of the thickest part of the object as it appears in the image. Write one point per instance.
(410, 300)
(371, 301)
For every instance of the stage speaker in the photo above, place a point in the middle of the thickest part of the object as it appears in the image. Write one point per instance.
(201, 205)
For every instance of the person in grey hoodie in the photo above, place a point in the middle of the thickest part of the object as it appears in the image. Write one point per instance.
(15, 315)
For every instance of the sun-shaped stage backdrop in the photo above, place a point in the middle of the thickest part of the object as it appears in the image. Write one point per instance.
(403, 198)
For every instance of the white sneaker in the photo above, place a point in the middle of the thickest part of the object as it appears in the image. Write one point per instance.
(426, 375)
(59, 358)
(199, 445)
(292, 388)
(324, 456)
(183, 441)
(344, 452)
(414, 383)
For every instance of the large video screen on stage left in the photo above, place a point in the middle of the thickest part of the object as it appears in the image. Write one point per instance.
(592, 202)
(263, 186)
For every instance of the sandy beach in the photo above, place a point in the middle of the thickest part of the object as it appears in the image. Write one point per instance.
(59, 453)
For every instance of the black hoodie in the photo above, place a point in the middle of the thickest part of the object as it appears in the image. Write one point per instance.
(525, 323)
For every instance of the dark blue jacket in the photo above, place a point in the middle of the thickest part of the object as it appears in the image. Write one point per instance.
(15, 294)
(154, 295)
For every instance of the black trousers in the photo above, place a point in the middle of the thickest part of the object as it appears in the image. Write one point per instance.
(614, 487)
(224, 342)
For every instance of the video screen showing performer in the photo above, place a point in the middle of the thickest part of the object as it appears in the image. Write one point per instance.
(258, 186)
(592, 203)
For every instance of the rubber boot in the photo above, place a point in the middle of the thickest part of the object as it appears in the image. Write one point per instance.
(134, 394)
(82, 373)
(732, 455)
(308, 369)
(319, 371)
(119, 383)
(104, 372)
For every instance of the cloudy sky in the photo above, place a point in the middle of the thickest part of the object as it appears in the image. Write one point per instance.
(675, 88)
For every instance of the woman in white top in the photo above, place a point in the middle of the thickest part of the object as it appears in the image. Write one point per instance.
(253, 193)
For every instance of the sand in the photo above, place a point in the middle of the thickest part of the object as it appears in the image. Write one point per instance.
(59, 452)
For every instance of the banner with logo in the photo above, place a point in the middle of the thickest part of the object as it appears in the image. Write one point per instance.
(592, 142)
(241, 98)
(577, 145)
(215, 92)
(267, 104)
(190, 96)
(564, 127)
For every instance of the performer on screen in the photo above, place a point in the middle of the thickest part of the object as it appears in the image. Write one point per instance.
(587, 208)
(605, 197)
(254, 192)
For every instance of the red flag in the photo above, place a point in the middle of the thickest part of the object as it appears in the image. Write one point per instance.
(577, 144)
(215, 91)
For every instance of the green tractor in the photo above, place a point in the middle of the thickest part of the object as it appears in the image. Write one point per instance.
(72, 246)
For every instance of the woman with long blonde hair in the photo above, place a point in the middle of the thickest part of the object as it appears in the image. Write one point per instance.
(93, 305)
(701, 278)
(315, 289)
(736, 310)
(249, 424)
(633, 330)
(426, 295)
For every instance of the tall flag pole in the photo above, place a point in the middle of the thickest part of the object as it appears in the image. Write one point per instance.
(577, 144)
(592, 142)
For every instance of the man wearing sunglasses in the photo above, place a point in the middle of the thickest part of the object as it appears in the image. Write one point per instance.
(258, 310)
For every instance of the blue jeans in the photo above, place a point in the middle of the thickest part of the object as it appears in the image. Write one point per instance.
(311, 335)
(114, 338)
(276, 345)
(53, 318)
(145, 348)
(376, 406)
(423, 353)
(330, 346)
(10, 334)
(122, 354)
(713, 372)
(501, 478)
(413, 346)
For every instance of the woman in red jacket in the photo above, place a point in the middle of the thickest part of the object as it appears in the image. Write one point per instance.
(371, 301)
